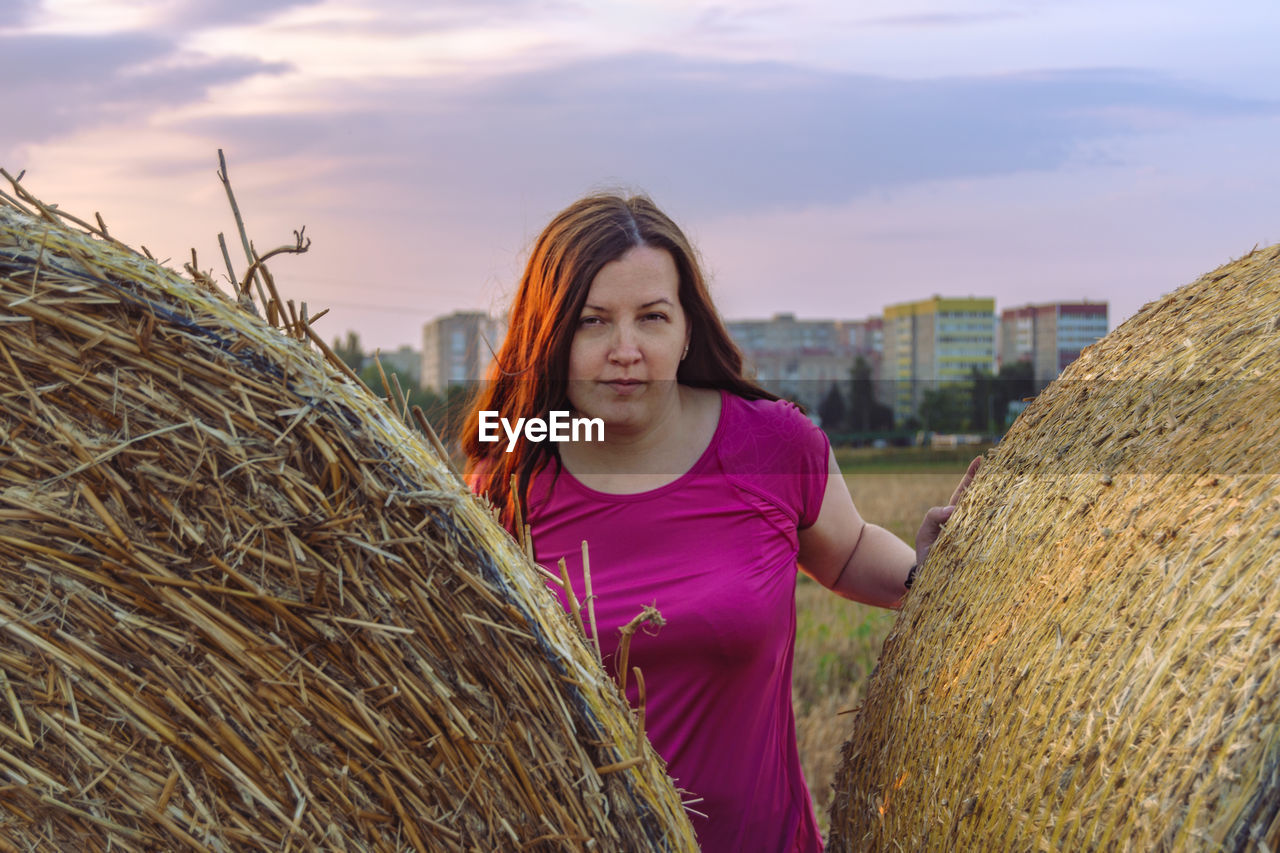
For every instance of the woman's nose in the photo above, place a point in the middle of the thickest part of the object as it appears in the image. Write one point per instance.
(625, 348)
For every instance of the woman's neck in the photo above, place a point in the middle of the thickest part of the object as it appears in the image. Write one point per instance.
(661, 451)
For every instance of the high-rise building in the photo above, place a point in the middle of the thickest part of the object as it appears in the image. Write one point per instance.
(1050, 336)
(457, 349)
(867, 336)
(800, 359)
(941, 339)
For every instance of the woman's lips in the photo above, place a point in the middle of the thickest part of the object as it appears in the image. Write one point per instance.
(625, 386)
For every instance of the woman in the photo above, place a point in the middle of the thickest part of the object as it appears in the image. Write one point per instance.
(704, 496)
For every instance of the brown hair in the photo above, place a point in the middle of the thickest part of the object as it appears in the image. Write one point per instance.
(529, 376)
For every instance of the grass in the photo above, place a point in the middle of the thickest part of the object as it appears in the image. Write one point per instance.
(906, 460)
(838, 642)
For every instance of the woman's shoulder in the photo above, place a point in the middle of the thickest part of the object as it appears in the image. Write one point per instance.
(769, 415)
(770, 432)
(772, 448)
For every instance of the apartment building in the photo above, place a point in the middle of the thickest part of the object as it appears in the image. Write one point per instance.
(941, 339)
(800, 359)
(1050, 336)
(458, 348)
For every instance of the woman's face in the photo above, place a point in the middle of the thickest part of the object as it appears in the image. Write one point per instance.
(630, 339)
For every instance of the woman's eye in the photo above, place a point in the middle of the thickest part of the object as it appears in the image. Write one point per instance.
(655, 315)
(589, 321)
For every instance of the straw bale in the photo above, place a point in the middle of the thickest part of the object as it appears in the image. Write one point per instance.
(243, 606)
(1091, 657)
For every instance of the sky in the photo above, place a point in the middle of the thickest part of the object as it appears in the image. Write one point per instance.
(826, 157)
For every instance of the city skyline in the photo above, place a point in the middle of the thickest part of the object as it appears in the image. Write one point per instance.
(782, 315)
(906, 349)
(819, 157)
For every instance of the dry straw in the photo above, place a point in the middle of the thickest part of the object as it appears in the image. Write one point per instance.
(243, 606)
(1090, 659)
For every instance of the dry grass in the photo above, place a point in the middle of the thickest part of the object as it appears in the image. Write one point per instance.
(838, 641)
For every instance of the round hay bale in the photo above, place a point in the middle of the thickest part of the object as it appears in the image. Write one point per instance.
(1090, 659)
(243, 606)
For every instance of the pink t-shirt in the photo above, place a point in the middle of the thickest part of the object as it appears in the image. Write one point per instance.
(715, 552)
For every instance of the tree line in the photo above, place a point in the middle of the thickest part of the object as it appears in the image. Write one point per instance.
(978, 405)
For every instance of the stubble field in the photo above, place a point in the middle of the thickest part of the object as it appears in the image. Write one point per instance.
(838, 641)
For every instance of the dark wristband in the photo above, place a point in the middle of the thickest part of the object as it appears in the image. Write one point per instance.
(911, 575)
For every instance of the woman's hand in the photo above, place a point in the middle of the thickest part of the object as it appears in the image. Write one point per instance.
(938, 515)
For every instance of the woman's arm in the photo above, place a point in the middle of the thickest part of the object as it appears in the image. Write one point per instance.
(861, 561)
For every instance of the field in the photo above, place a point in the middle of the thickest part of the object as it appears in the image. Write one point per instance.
(838, 641)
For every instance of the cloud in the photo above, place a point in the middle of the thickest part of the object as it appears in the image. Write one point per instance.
(941, 19)
(740, 18)
(21, 11)
(195, 14)
(406, 18)
(723, 136)
(83, 81)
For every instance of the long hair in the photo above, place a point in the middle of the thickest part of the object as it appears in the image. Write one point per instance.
(529, 375)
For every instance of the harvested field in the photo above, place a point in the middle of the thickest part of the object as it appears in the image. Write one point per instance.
(244, 606)
(1091, 656)
(838, 641)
